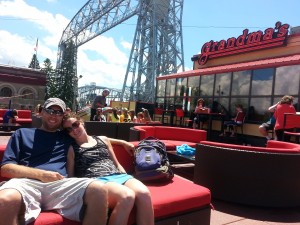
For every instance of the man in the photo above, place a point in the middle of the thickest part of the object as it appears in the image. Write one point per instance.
(269, 125)
(36, 158)
(99, 102)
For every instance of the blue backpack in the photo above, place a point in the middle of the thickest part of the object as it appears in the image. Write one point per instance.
(151, 161)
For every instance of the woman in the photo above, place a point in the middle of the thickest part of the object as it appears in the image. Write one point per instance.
(93, 156)
(147, 117)
(200, 118)
(285, 106)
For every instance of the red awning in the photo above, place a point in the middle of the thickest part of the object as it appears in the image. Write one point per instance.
(259, 64)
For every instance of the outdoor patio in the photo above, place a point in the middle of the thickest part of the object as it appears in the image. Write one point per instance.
(236, 214)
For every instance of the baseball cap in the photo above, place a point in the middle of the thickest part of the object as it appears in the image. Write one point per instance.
(55, 101)
(106, 90)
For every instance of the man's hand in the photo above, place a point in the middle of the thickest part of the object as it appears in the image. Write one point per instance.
(49, 176)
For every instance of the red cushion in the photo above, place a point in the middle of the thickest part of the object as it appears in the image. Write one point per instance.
(274, 148)
(179, 134)
(52, 218)
(180, 196)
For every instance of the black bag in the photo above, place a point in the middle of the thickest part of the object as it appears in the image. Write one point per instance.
(151, 161)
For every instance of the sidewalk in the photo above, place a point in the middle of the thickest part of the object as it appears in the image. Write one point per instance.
(225, 213)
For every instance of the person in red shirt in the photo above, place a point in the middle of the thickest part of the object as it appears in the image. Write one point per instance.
(285, 106)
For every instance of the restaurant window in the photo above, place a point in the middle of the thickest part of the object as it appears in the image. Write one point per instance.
(221, 105)
(241, 83)
(222, 85)
(238, 101)
(160, 90)
(169, 104)
(289, 76)
(170, 90)
(193, 84)
(262, 82)
(181, 86)
(160, 102)
(207, 85)
(258, 109)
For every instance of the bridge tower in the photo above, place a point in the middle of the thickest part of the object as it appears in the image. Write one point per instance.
(157, 47)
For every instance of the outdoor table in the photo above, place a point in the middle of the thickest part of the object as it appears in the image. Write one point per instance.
(210, 116)
(171, 112)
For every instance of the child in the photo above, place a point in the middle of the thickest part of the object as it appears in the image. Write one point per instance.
(237, 120)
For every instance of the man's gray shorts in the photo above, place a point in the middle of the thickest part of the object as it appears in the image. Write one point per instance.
(64, 196)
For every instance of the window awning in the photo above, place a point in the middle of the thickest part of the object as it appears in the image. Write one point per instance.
(259, 64)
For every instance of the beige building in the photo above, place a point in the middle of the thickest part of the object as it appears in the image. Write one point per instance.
(21, 88)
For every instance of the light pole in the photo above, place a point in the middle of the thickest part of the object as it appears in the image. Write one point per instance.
(76, 92)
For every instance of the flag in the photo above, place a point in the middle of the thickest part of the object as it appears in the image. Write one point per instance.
(36, 44)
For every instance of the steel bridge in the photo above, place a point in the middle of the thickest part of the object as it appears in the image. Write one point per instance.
(157, 47)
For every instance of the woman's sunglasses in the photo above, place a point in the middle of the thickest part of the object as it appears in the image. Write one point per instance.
(74, 125)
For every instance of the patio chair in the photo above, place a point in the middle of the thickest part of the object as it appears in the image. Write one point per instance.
(158, 115)
(291, 120)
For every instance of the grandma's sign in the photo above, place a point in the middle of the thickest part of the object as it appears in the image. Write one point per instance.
(271, 37)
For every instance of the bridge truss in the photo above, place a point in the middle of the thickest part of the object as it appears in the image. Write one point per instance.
(157, 47)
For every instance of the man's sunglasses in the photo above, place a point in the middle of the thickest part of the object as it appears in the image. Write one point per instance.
(74, 125)
(54, 112)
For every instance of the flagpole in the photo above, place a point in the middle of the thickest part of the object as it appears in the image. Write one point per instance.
(36, 47)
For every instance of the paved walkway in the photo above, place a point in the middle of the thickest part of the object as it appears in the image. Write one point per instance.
(225, 213)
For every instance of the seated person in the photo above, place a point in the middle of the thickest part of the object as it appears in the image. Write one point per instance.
(125, 117)
(285, 106)
(269, 125)
(199, 119)
(237, 120)
(99, 116)
(105, 167)
(10, 116)
(140, 117)
(113, 116)
(147, 117)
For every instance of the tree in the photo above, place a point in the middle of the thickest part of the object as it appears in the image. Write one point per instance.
(51, 79)
(66, 75)
(34, 64)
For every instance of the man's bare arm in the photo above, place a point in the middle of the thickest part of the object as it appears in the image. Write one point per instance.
(19, 171)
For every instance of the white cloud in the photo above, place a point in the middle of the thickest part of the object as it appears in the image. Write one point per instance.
(99, 60)
(126, 44)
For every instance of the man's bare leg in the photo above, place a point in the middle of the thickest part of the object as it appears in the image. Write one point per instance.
(10, 207)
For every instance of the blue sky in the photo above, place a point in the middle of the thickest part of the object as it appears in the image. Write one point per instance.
(104, 59)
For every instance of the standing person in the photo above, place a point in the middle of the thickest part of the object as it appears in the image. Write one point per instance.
(269, 125)
(105, 167)
(285, 106)
(99, 102)
(199, 119)
(36, 160)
